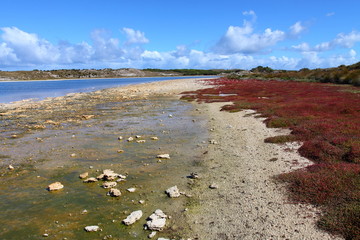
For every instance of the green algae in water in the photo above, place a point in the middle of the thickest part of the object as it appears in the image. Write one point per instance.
(29, 211)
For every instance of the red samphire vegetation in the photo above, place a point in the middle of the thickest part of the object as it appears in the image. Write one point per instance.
(326, 118)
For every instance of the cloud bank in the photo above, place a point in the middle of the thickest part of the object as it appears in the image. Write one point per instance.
(241, 47)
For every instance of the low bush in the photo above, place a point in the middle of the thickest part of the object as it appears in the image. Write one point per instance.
(326, 119)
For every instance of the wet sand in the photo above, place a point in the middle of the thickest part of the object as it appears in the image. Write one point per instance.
(247, 204)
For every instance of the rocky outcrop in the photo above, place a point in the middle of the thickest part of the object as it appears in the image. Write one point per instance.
(173, 192)
(133, 217)
(156, 221)
(55, 186)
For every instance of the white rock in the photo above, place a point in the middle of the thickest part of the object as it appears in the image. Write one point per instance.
(154, 138)
(133, 217)
(55, 186)
(163, 156)
(90, 180)
(120, 138)
(212, 141)
(109, 175)
(84, 175)
(10, 167)
(138, 136)
(214, 186)
(173, 192)
(152, 234)
(130, 139)
(141, 141)
(156, 221)
(92, 228)
(131, 189)
(114, 192)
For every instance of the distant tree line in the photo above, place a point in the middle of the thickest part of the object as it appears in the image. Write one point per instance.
(340, 75)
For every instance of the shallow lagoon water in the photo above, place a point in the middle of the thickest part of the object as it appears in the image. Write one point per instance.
(20, 90)
(29, 211)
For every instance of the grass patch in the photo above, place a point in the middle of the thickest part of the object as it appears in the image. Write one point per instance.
(280, 139)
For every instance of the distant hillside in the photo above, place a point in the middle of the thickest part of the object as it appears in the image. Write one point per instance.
(101, 73)
(341, 75)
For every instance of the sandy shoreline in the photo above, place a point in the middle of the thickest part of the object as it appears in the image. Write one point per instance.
(247, 204)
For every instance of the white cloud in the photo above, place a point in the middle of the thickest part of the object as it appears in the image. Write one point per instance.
(250, 13)
(297, 29)
(342, 40)
(352, 53)
(29, 47)
(244, 40)
(303, 47)
(135, 36)
(330, 14)
(347, 40)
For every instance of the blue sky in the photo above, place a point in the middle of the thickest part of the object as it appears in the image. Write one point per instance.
(178, 34)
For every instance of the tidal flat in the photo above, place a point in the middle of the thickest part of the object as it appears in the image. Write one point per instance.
(62, 150)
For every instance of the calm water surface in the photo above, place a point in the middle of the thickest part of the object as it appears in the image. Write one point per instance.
(20, 90)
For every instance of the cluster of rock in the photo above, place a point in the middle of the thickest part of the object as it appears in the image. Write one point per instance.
(155, 222)
(131, 139)
(111, 179)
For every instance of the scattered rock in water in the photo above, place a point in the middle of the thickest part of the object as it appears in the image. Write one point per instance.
(170, 115)
(154, 138)
(194, 175)
(10, 167)
(14, 136)
(138, 136)
(73, 155)
(45, 235)
(133, 217)
(163, 156)
(90, 180)
(212, 141)
(173, 192)
(100, 177)
(55, 186)
(152, 234)
(114, 192)
(141, 141)
(109, 175)
(120, 151)
(123, 177)
(156, 221)
(92, 228)
(130, 139)
(120, 138)
(214, 186)
(87, 117)
(84, 175)
(109, 184)
(141, 201)
(131, 190)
